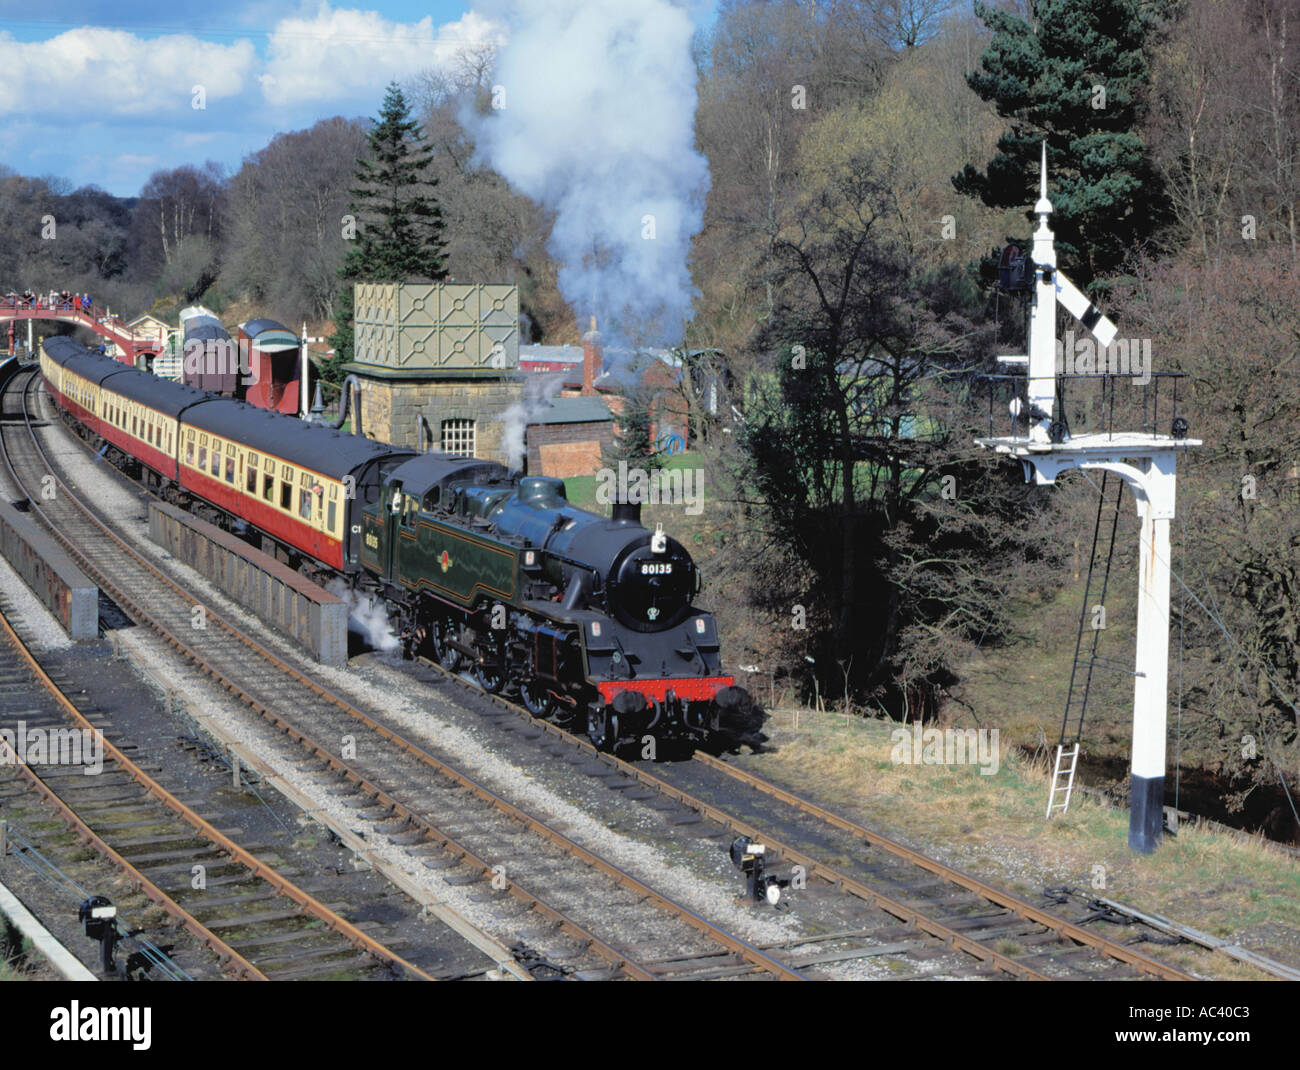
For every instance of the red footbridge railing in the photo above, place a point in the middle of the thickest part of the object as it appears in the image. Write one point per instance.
(111, 328)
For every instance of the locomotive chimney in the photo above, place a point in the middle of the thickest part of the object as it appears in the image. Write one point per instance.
(590, 359)
(626, 513)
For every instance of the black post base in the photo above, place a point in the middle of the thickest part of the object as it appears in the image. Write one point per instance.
(1146, 813)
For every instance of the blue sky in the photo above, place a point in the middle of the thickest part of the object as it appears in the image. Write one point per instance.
(104, 92)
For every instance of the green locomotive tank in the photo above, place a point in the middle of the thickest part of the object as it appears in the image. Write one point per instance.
(589, 617)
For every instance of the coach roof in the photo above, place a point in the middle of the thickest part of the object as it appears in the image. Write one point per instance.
(320, 448)
(252, 328)
(61, 348)
(163, 395)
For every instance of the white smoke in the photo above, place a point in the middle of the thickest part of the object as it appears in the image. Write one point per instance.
(367, 616)
(595, 119)
(538, 391)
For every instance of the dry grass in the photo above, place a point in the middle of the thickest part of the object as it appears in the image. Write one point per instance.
(993, 826)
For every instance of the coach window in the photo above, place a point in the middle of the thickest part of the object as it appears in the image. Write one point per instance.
(333, 507)
(268, 483)
(304, 503)
(286, 488)
(230, 470)
(216, 457)
(251, 469)
(135, 426)
(203, 457)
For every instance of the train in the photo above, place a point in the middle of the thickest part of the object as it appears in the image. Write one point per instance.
(260, 365)
(590, 620)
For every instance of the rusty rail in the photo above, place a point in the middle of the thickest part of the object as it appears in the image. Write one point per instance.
(850, 884)
(207, 831)
(620, 960)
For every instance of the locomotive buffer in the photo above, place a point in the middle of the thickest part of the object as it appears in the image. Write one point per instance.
(1146, 462)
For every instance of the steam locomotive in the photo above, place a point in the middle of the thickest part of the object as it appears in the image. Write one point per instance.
(590, 619)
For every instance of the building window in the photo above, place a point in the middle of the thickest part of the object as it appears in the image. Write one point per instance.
(458, 437)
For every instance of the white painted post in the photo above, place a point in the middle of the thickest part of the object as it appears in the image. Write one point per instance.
(1041, 387)
(1151, 684)
(303, 411)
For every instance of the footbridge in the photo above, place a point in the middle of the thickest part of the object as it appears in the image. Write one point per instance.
(130, 346)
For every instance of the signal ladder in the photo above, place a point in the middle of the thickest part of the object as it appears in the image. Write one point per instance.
(1076, 700)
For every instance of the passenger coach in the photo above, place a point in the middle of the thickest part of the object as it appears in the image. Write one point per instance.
(295, 484)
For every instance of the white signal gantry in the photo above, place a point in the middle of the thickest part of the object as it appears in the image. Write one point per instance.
(1146, 461)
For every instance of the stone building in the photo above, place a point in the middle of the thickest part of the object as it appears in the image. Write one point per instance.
(438, 364)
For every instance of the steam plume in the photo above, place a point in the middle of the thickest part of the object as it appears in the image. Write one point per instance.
(538, 391)
(598, 124)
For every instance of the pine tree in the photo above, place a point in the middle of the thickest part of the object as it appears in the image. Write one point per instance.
(1076, 75)
(399, 221)
(633, 441)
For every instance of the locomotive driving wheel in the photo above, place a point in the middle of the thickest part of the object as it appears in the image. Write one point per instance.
(489, 676)
(440, 634)
(537, 698)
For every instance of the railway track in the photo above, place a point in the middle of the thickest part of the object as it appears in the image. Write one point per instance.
(923, 893)
(477, 836)
(257, 923)
(932, 904)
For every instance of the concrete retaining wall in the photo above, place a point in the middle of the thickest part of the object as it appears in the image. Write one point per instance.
(65, 590)
(284, 600)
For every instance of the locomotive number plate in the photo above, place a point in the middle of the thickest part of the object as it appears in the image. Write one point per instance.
(656, 568)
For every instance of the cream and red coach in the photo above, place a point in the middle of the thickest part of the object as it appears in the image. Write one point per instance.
(294, 484)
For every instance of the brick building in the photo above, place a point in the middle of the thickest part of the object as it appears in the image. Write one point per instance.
(568, 436)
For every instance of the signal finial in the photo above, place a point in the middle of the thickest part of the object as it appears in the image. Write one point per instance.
(1044, 206)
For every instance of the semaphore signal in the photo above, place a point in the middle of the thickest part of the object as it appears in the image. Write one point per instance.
(1146, 462)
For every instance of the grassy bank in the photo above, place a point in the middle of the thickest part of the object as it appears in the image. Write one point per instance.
(993, 826)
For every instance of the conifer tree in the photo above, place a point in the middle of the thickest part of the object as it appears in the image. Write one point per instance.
(1075, 73)
(633, 441)
(398, 219)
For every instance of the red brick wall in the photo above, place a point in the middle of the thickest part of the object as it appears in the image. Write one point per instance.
(565, 450)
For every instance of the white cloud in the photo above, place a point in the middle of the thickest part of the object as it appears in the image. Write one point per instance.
(345, 53)
(91, 73)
